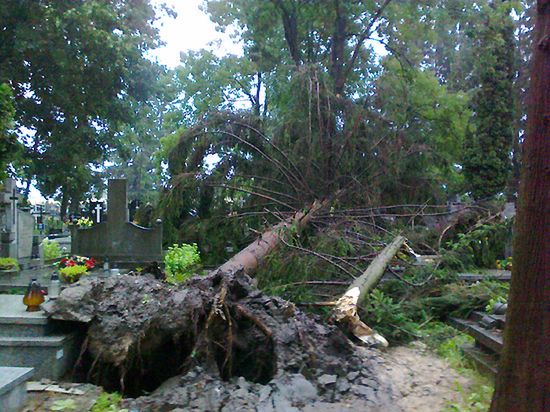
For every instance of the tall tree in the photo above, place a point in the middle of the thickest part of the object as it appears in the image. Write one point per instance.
(8, 141)
(522, 383)
(487, 162)
(75, 67)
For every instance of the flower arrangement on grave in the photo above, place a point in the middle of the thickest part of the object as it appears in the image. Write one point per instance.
(504, 264)
(84, 222)
(71, 269)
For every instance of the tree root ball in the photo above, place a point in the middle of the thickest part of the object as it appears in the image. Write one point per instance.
(215, 330)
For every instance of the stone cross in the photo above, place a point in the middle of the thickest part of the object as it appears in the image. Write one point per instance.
(14, 198)
(97, 210)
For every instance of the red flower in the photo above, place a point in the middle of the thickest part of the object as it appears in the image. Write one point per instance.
(71, 263)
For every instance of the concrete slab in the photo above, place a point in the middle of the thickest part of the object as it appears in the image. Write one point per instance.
(50, 356)
(13, 392)
(15, 321)
(11, 377)
(12, 310)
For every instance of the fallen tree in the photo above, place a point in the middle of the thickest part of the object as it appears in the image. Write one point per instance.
(250, 257)
(345, 309)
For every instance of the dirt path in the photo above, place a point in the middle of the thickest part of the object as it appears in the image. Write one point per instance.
(422, 381)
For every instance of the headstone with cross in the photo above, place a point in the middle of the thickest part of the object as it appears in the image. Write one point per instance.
(16, 226)
(95, 211)
(116, 238)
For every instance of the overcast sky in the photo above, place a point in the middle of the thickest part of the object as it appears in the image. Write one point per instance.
(191, 30)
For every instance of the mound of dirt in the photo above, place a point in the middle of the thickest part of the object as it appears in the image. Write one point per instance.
(215, 343)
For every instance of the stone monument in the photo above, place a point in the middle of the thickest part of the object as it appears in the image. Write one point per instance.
(117, 239)
(16, 226)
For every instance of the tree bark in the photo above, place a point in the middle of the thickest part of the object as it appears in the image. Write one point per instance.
(522, 383)
(250, 257)
(345, 310)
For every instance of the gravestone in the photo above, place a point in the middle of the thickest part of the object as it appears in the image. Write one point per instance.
(118, 239)
(16, 226)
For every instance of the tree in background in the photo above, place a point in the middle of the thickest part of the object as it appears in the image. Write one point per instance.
(522, 380)
(76, 67)
(8, 140)
(325, 112)
(487, 155)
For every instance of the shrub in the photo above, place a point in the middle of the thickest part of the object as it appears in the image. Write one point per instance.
(52, 250)
(72, 274)
(181, 262)
(8, 264)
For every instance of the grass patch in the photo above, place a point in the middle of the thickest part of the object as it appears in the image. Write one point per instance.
(447, 342)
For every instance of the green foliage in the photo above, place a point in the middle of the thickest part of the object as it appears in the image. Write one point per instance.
(77, 68)
(433, 119)
(7, 263)
(108, 402)
(487, 162)
(477, 399)
(284, 271)
(448, 342)
(490, 307)
(8, 141)
(388, 318)
(53, 224)
(460, 299)
(72, 274)
(482, 246)
(52, 250)
(180, 262)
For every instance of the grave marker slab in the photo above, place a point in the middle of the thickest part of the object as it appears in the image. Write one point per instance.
(16, 226)
(118, 239)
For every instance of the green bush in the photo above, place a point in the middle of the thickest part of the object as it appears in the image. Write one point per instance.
(181, 262)
(8, 264)
(483, 246)
(72, 274)
(52, 250)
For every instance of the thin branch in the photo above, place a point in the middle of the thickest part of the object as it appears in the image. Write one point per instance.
(320, 256)
(364, 36)
(240, 189)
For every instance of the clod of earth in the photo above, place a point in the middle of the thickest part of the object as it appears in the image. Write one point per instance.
(216, 333)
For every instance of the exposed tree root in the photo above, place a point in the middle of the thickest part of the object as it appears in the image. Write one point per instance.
(142, 332)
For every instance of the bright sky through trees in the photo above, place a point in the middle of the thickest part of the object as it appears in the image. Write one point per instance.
(190, 30)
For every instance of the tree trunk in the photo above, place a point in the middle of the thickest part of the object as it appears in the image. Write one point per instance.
(522, 383)
(250, 257)
(64, 203)
(345, 311)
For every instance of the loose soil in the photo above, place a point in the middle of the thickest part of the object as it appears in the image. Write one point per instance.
(422, 382)
(219, 344)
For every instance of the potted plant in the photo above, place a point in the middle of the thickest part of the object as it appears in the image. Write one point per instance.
(71, 269)
(9, 265)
